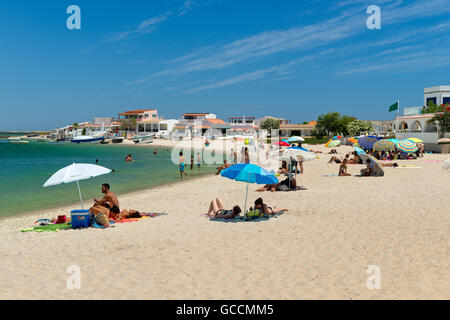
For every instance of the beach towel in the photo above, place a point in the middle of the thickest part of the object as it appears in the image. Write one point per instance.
(330, 175)
(144, 215)
(49, 227)
(243, 219)
(432, 160)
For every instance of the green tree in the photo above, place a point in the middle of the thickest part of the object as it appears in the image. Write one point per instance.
(432, 108)
(270, 124)
(357, 126)
(342, 126)
(83, 133)
(329, 122)
(128, 124)
(317, 132)
(443, 118)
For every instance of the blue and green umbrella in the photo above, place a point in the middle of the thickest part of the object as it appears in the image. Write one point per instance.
(249, 173)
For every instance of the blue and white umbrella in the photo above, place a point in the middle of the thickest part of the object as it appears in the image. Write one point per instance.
(249, 173)
(367, 142)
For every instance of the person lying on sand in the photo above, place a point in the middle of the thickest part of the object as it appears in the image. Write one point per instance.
(393, 165)
(225, 166)
(268, 187)
(260, 205)
(343, 169)
(218, 211)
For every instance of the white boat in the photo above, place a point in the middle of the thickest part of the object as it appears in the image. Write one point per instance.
(87, 139)
(17, 141)
(144, 139)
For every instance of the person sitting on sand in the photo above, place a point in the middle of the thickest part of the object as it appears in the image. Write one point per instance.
(218, 211)
(369, 170)
(355, 160)
(225, 166)
(129, 158)
(260, 205)
(108, 205)
(343, 169)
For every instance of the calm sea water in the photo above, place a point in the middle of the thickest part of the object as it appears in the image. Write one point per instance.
(25, 168)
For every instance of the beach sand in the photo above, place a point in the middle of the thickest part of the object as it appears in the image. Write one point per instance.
(320, 249)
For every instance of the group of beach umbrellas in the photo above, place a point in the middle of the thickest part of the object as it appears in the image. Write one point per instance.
(378, 144)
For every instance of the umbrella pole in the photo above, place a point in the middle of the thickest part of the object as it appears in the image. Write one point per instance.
(79, 192)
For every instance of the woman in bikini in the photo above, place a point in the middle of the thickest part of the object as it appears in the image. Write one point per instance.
(218, 211)
(259, 204)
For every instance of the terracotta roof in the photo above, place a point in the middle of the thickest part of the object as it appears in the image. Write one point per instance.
(312, 123)
(216, 121)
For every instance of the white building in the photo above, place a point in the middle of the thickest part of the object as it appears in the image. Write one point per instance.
(437, 95)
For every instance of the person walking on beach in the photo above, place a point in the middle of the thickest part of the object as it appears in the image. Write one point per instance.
(199, 159)
(192, 161)
(182, 165)
(246, 156)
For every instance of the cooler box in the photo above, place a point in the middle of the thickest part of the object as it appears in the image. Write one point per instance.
(80, 219)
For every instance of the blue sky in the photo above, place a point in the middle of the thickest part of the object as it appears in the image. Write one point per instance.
(293, 59)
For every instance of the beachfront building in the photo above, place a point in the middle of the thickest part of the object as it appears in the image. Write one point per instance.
(303, 130)
(147, 126)
(242, 126)
(414, 124)
(139, 115)
(281, 120)
(436, 95)
(198, 125)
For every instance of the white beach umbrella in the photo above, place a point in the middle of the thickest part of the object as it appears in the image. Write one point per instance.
(295, 139)
(76, 172)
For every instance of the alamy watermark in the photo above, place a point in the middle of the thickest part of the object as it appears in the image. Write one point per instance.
(374, 280)
(374, 20)
(74, 280)
(74, 20)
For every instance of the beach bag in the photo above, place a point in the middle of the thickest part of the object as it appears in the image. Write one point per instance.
(253, 214)
(61, 220)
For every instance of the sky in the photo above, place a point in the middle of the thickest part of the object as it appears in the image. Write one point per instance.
(292, 59)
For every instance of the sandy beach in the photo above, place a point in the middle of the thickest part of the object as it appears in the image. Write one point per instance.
(320, 249)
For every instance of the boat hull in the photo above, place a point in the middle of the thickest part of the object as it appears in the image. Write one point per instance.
(87, 140)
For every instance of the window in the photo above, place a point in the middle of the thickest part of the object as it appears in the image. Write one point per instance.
(154, 115)
(446, 100)
(431, 100)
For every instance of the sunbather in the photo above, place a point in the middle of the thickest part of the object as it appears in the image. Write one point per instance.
(343, 169)
(218, 211)
(260, 205)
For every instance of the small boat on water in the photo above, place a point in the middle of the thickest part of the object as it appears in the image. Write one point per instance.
(17, 141)
(87, 139)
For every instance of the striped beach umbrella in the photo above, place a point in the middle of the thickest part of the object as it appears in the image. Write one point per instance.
(407, 146)
(415, 140)
(383, 145)
(333, 143)
(367, 142)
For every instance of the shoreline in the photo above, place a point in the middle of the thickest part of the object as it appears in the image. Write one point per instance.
(40, 212)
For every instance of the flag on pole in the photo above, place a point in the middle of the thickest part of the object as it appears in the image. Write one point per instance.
(393, 107)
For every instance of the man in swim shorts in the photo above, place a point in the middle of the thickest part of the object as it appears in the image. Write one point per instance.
(182, 165)
(108, 205)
